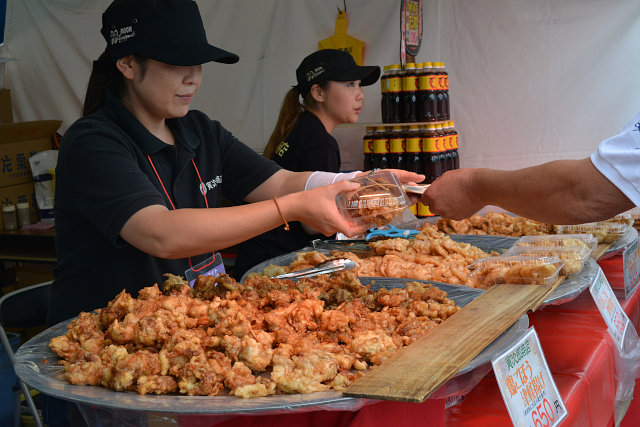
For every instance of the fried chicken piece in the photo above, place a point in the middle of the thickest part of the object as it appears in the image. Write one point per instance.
(204, 376)
(242, 383)
(157, 384)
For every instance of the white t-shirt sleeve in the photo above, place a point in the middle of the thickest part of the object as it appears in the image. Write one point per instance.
(618, 159)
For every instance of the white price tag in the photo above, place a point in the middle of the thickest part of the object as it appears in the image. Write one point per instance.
(526, 384)
(610, 309)
(631, 262)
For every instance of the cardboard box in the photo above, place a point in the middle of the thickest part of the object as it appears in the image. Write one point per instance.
(6, 110)
(20, 193)
(18, 142)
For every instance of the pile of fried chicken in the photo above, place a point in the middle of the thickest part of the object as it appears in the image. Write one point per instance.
(263, 337)
(432, 255)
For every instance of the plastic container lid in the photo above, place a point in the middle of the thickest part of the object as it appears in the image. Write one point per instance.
(559, 240)
(573, 257)
(379, 200)
(604, 231)
(515, 269)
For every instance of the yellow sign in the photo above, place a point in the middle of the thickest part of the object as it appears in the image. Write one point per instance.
(342, 41)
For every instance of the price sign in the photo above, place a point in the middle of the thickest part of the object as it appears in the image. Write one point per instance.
(613, 314)
(631, 262)
(527, 386)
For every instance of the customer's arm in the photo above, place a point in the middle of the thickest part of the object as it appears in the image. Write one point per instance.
(559, 192)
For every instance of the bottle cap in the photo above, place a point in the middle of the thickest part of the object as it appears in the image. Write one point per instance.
(23, 205)
(8, 208)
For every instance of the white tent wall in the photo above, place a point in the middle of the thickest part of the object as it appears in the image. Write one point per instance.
(531, 81)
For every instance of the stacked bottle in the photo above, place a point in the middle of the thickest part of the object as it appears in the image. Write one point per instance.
(396, 147)
(367, 147)
(417, 93)
(380, 148)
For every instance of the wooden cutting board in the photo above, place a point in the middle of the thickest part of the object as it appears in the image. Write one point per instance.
(419, 369)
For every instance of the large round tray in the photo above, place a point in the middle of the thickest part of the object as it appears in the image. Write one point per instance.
(569, 289)
(36, 365)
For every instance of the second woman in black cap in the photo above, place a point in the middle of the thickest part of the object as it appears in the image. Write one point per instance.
(329, 83)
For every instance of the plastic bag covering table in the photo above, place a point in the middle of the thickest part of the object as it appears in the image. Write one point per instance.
(580, 354)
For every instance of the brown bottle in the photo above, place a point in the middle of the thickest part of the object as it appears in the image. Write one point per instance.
(441, 139)
(395, 94)
(413, 153)
(454, 153)
(431, 166)
(384, 95)
(409, 93)
(380, 148)
(367, 148)
(396, 147)
(442, 92)
(428, 84)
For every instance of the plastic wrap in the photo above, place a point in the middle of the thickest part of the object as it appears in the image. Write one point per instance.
(573, 257)
(37, 365)
(569, 289)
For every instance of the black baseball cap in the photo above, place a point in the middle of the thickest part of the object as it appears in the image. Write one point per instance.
(169, 31)
(333, 64)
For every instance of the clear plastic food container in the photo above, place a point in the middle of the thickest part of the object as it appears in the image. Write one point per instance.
(515, 269)
(573, 257)
(604, 231)
(379, 200)
(562, 240)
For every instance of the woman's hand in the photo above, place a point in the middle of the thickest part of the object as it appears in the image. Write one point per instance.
(317, 208)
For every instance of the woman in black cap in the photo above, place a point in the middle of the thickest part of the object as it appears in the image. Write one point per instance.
(329, 83)
(140, 178)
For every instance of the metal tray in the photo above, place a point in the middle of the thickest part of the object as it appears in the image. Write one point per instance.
(568, 290)
(35, 364)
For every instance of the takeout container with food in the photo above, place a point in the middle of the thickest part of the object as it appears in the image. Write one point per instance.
(562, 240)
(604, 231)
(380, 200)
(573, 257)
(515, 269)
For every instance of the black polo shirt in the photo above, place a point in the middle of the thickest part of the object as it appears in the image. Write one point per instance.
(104, 176)
(309, 147)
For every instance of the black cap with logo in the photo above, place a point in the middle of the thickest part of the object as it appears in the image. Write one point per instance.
(333, 64)
(169, 31)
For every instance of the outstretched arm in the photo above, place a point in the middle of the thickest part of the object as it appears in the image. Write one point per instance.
(558, 192)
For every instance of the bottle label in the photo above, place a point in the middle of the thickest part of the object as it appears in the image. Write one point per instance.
(395, 84)
(381, 146)
(455, 141)
(410, 83)
(423, 210)
(438, 142)
(443, 81)
(424, 83)
(367, 146)
(429, 145)
(396, 145)
(384, 85)
(413, 145)
(434, 82)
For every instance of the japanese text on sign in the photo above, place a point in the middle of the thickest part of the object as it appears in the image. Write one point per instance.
(527, 386)
(631, 262)
(612, 313)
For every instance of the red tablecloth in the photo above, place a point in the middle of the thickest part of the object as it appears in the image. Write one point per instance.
(577, 347)
(580, 354)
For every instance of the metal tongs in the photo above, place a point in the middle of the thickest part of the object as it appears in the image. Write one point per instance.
(325, 267)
